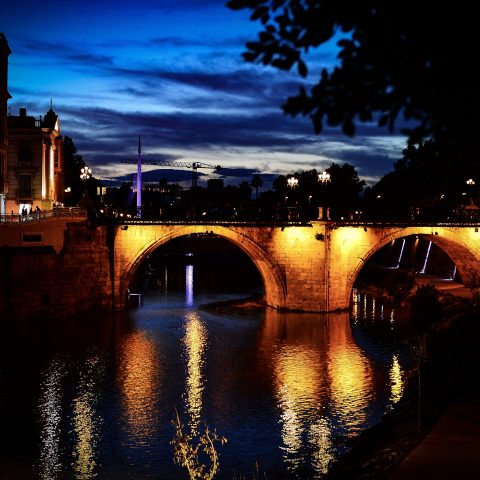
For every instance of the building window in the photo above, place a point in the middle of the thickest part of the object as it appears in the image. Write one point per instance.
(25, 151)
(25, 186)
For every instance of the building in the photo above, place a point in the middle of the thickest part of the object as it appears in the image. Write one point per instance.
(34, 163)
(31, 162)
(4, 96)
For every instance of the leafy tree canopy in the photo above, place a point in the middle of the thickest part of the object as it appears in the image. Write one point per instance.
(398, 60)
(73, 162)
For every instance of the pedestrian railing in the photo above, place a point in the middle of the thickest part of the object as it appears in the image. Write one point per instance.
(73, 213)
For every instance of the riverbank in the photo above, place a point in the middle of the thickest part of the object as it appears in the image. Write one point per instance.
(450, 372)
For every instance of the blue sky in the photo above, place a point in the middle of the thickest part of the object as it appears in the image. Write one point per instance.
(172, 72)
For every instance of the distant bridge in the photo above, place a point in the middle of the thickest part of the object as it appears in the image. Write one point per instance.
(308, 266)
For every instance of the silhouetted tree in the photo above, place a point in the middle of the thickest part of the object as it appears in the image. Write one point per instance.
(344, 188)
(257, 183)
(398, 60)
(73, 162)
(342, 193)
(425, 180)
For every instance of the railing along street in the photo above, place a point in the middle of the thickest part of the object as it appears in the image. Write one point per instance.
(43, 215)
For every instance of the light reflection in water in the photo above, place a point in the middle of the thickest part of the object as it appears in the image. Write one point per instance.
(189, 285)
(195, 341)
(321, 438)
(86, 422)
(310, 390)
(50, 412)
(350, 374)
(396, 380)
(317, 367)
(298, 391)
(356, 298)
(361, 310)
(139, 378)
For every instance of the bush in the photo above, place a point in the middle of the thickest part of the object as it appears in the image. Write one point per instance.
(425, 307)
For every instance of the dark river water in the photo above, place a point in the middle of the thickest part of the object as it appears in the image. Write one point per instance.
(94, 397)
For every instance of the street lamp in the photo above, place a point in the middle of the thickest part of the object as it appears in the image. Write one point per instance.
(470, 185)
(292, 182)
(85, 173)
(324, 179)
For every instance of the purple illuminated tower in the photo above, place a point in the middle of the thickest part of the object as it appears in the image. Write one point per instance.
(139, 180)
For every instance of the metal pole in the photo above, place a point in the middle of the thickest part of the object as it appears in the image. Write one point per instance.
(139, 180)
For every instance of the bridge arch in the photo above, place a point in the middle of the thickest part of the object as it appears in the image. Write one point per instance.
(462, 245)
(136, 245)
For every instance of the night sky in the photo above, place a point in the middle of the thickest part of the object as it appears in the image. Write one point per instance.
(172, 72)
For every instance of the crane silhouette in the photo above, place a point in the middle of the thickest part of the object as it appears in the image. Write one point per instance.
(166, 163)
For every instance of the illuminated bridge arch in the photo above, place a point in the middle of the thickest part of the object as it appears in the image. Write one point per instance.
(309, 268)
(357, 245)
(134, 243)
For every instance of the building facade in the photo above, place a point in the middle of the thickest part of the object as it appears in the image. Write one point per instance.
(34, 162)
(31, 161)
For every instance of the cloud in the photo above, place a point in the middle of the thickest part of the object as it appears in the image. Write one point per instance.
(183, 86)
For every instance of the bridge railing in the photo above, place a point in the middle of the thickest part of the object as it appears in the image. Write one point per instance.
(44, 215)
(459, 216)
(226, 222)
(452, 219)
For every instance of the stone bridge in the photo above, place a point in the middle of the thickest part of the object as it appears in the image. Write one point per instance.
(308, 267)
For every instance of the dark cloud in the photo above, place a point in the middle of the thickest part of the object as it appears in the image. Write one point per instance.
(270, 132)
(153, 176)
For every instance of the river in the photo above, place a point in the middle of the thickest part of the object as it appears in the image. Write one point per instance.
(95, 396)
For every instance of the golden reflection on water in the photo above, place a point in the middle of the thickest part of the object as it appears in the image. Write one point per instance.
(86, 422)
(139, 379)
(396, 380)
(350, 373)
(195, 341)
(297, 383)
(50, 412)
(355, 307)
(318, 371)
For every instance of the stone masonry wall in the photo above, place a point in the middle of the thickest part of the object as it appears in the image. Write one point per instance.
(291, 260)
(36, 282)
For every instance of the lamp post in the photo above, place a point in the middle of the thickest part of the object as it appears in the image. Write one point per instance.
(85, 174)
(292, 182)
(470, 186)
(324, 179)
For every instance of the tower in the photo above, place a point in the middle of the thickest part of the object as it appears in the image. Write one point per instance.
(139, 180)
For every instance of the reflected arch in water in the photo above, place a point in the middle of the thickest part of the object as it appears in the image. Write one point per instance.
(317, 369)
(272, 276)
